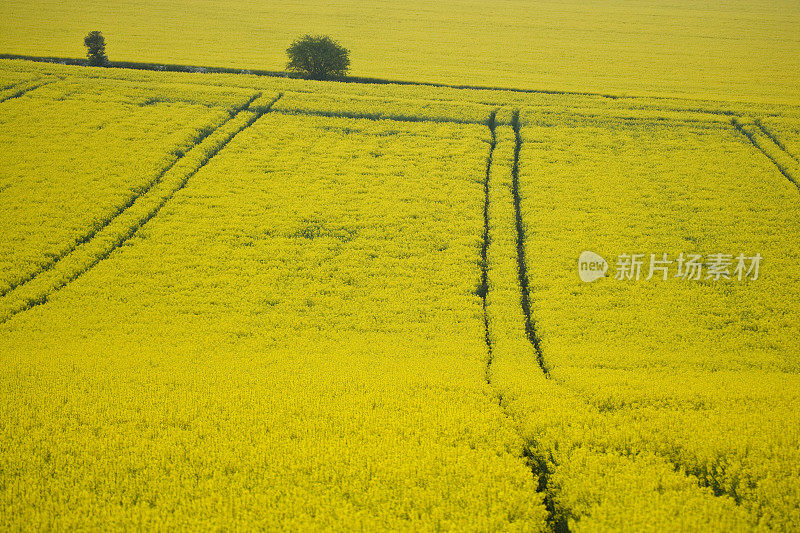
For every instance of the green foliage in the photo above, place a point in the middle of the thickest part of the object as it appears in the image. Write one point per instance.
(96, 49)
(318, 57)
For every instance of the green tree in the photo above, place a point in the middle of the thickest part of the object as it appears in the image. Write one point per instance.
(318, 57)
(96, 49)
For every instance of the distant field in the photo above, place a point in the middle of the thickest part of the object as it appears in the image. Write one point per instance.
(233, 302)
(737, 50)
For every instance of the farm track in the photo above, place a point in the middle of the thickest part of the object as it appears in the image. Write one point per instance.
(536, 459)
(10, 86)
(484, 288)
(535, 462)
(22, 88)
(774, 138)
(415, 119)
(767, 144)
(120, 209)
(540, 459)
(628, 119)
(522, 266)
(115, 241)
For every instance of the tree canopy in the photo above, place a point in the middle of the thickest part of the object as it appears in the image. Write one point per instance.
(95, 49)
(318, 57)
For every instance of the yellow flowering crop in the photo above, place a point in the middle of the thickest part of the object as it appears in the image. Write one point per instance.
(699, 374)
(234, 302)
(739, 49)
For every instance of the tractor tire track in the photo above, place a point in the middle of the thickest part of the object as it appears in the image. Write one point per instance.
(497, 243)
(538, 463)
(82, 239)
(20, 89)
(774, 138)
(522, 266)
(765, 143)
(483, 290)
(106, 239)
(375, 117)
(12, 86)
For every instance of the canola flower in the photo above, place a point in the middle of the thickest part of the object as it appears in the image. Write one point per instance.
(735, 50)
(79, 154)
(296, 343)
(294, 325)
(702, 376)
(591, 484)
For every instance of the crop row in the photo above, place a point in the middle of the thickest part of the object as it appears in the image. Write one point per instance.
(702, 376)
(114, 231)
(73, 163)
(294, 341)
(588, 484)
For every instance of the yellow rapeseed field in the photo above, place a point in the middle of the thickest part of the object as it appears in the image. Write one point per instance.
(738, 49)
(699, 374)
(236, 302)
